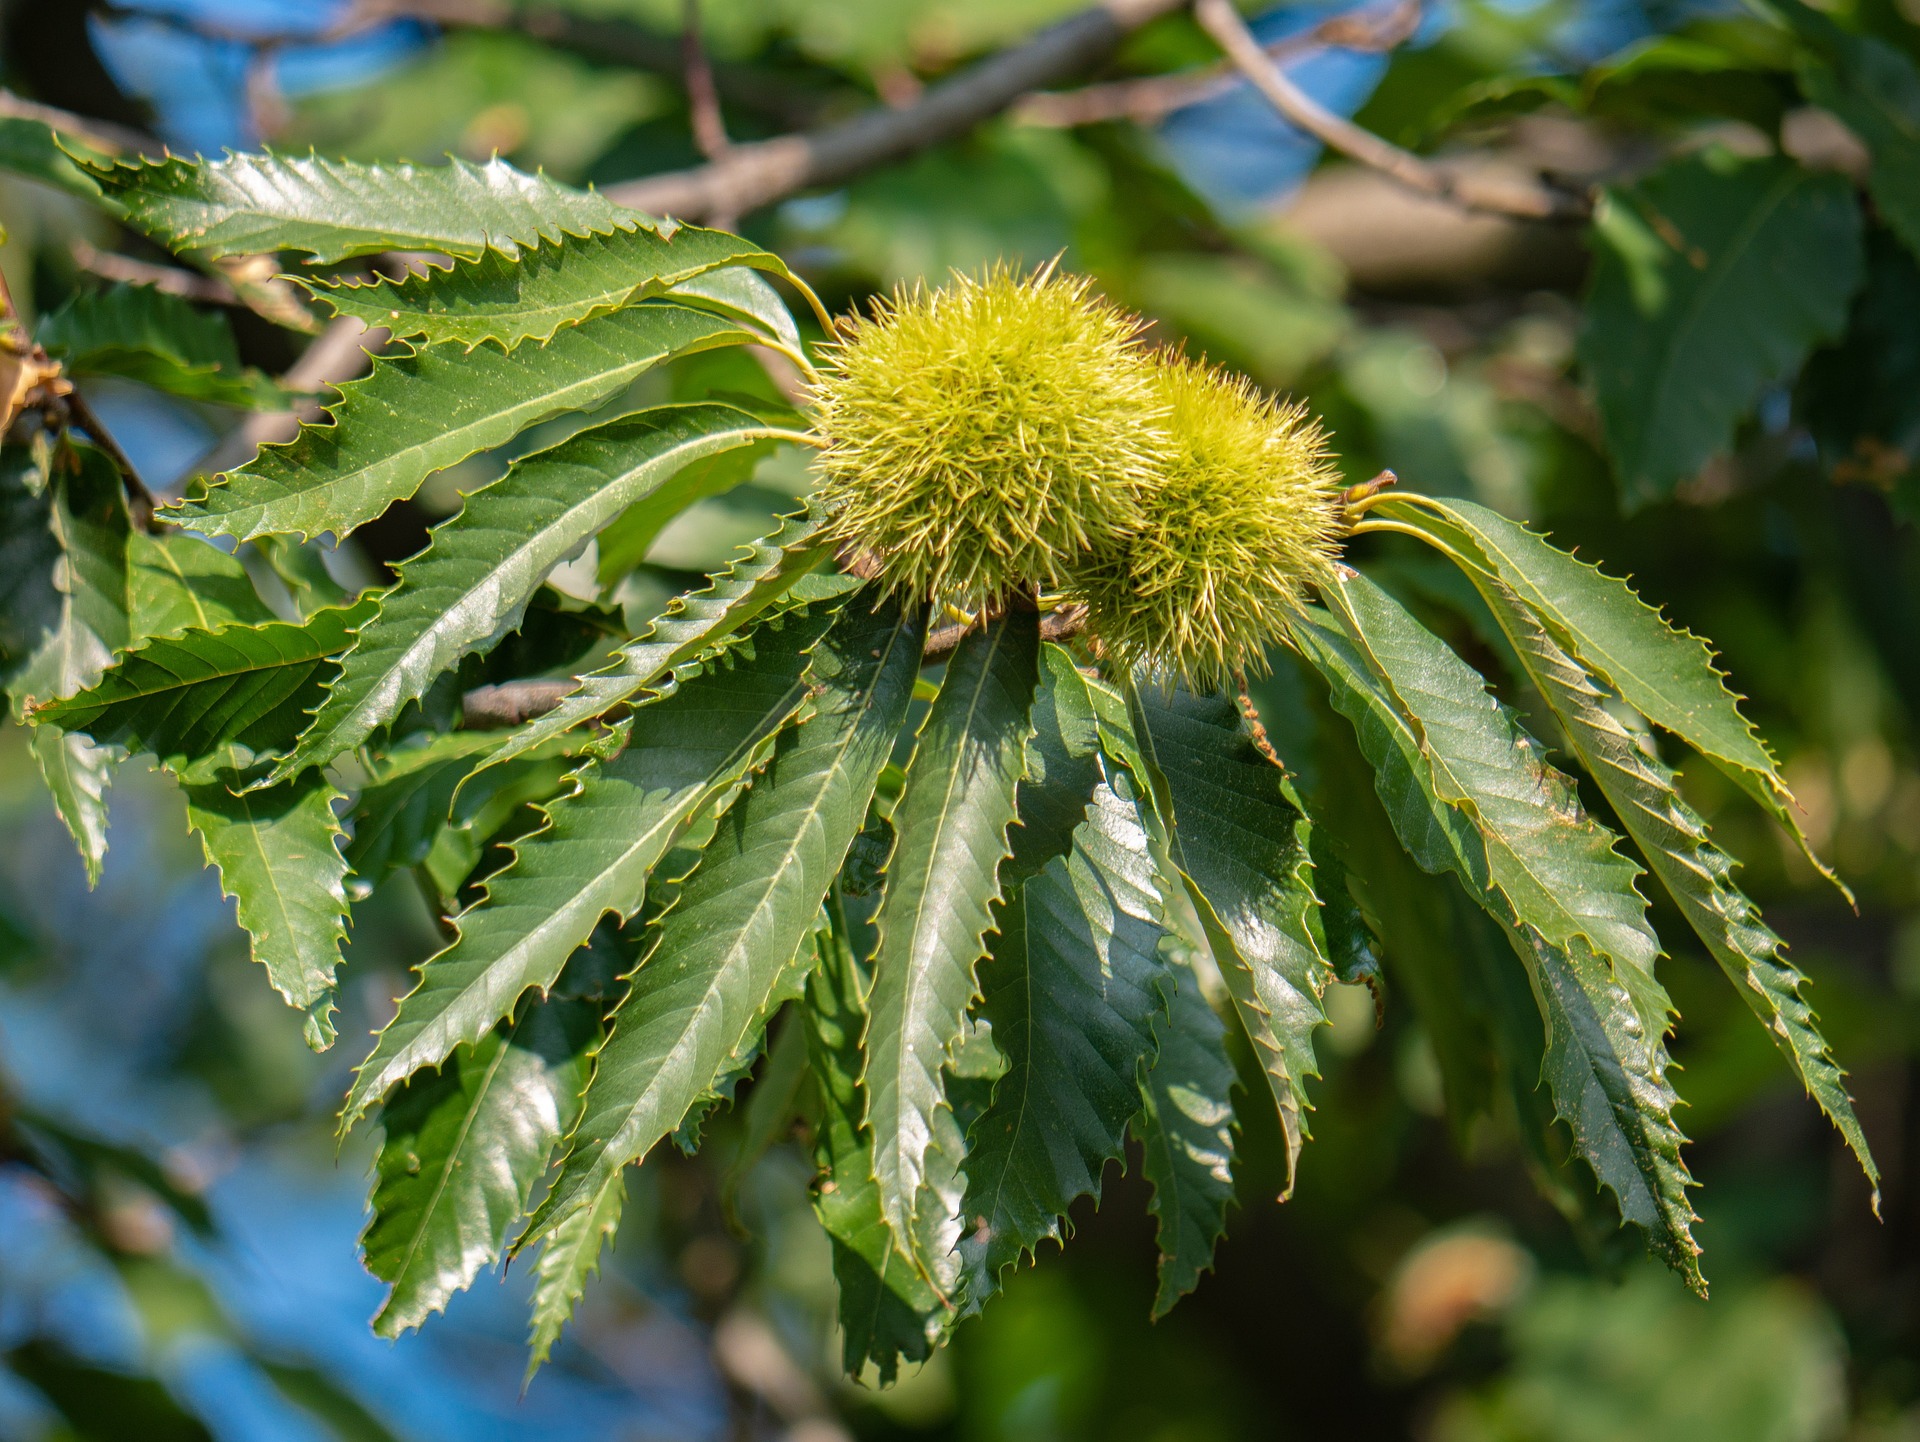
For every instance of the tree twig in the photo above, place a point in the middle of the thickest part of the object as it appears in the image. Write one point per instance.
(1152, 98)
(168, 278)
(139, 498)
(751, 176)
(703, 98)
(1057, 625)
(1517, 200)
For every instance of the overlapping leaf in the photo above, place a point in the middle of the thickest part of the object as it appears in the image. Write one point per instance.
(471, 586)
(1876, 90)
(1664, 673)
(179, 583)
(569, 1257)
(1604, 1062)
(1558, 868)
(145, 334)
(1668, 832)
(594, 856)
(406, 802)
(951, 826)
(1073, 990)
(331, 210)
(698, 619)
(1712, 281)
(510, 299)
(1185, 1130)
(420, 413)
(1241, 840)
(278, 854)
(722, 950)
(463, 1149)
(89, 522)
(233, 694)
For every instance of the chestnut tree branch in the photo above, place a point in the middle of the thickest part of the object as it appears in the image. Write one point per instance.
(1488, 195)
(1152, 98)
(751, 176)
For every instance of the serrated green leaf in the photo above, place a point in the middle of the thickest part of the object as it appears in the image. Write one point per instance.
(406, 802)
(278, 855)
(180, 583)
(1712, 280)
(1875, 89)
(30, 148)
(942, 882)
(569, 1258)
(420, 413)
(724, 946)
(731, 598)
(743, 291)
(463, 1149)
(510, 299)
(1696, 873)
(594, 855)
(148, 335)
(1241, 840)
(1062, 769)
(1666, 674)
(228, 696)
(1559, 869)
(302, 567)
(332, 210)
(1453, 963)
(471, 585)
(1185, 1130)
(1073, 989)
(89, 521)
(888, 1312)
(1604, 1062)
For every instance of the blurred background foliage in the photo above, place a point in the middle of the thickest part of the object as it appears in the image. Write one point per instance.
(177, 1250)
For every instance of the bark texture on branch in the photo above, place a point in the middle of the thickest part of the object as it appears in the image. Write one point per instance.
(751, 176)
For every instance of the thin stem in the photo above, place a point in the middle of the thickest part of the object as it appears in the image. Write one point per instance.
(1514, 200)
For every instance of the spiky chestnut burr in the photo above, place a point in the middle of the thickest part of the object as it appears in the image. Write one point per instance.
(1245, 515)
(982, 436)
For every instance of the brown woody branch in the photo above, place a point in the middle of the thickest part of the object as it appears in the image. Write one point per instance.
(1152, 98)
(1487, 194)
(751, 176)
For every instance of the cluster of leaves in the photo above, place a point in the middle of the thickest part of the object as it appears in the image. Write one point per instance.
(975, 925)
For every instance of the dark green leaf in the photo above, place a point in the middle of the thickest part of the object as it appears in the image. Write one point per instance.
(509, 299)
(420, 413)
(279, 857)
(694, 621)
(1072, 989)
(472, 584)
(722, 951)
(180, 583)
(1662, 672)
(888, 1312)
(1604, 1060)
(231, 695)
(1712, 281)
(1875, 89)
(148, 335)
(941, 885)
(1241, 840)
(594, 855)
(1185, 1130)
(463, 1149)
(410, 797)
(89, 521)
